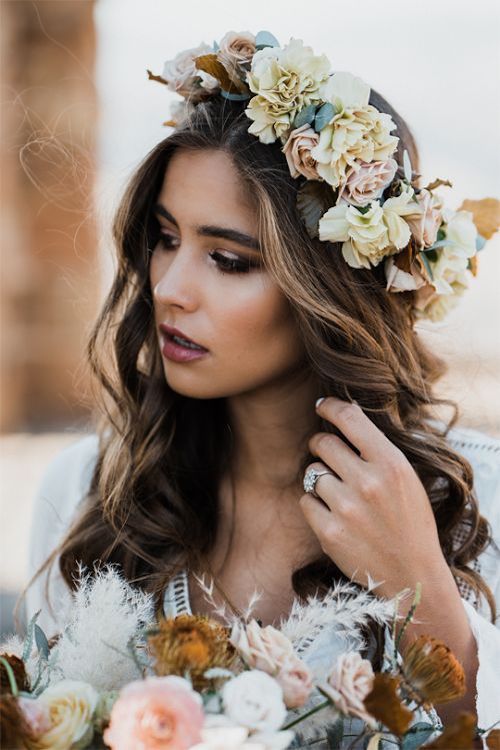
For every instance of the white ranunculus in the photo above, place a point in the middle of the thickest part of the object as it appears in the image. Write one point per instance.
(253, 699)
(71, 705)
(284, 80)
(345, 90)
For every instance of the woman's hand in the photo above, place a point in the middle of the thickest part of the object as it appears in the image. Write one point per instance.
(376, 517)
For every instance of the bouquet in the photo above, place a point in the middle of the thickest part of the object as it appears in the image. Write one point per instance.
(118, 676)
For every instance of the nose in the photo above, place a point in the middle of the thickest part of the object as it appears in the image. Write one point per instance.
(175, 282)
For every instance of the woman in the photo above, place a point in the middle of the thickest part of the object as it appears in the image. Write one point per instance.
(225, 322)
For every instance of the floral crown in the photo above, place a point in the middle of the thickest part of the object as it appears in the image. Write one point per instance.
(354, 191)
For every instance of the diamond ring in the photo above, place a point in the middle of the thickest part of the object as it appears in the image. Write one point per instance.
(311, 477)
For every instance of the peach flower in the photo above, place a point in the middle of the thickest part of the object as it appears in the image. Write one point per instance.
(236, 50)
(424, 226)
(297, 150)
(183, 76)
(348, 684)
(156, 713)
(36, 714)
(368, 182)
(261, 648)
(296, 681)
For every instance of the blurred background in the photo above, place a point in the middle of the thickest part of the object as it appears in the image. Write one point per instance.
(78, 114)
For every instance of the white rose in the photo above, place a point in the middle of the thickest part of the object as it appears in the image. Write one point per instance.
(434, 306)
(183, 76)
(220, 733)
(71, 705)
(452, 260)
(255, 700)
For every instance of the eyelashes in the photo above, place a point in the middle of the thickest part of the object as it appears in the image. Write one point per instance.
(224, 263)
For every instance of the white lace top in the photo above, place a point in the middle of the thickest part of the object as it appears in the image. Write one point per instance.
(66, 481)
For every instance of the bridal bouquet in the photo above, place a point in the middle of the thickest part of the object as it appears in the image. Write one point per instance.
(120, 677)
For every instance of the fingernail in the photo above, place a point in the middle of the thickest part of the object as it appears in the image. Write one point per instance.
(319, 400)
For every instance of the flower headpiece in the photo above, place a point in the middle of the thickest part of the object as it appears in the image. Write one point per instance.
(341, 148)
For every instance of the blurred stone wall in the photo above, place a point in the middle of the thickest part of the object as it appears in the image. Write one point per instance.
(49, 270)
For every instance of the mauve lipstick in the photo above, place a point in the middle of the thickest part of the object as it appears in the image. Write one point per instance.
(175, 351)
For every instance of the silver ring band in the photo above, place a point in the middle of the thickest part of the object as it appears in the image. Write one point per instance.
(311, 477)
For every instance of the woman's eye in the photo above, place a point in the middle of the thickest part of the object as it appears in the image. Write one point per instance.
(225, 264)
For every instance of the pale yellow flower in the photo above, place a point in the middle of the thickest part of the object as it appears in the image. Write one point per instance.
(284, 80)
(71, 705)
(358, 131)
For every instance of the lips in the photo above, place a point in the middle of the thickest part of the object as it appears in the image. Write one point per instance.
(170, 331)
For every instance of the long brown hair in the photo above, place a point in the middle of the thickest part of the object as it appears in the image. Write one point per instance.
(152, 502)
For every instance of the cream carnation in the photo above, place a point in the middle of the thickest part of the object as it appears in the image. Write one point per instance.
(453, 259)
(348, 684)
(183, 77)
(284, 80)
(358, 131)
(367, 181)
(364, 235)
(236, 50)
(71, 705)
(253, 699)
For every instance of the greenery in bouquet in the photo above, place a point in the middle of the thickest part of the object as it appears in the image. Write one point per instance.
(120, 675)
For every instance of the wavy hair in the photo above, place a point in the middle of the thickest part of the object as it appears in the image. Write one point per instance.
(152, 502)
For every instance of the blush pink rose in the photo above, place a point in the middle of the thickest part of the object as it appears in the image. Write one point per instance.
(261, 648)
(348, 684)
(367, 183)
(36, 714)
(297, 150)
(296, 681)
(424, 226)
(157, 713)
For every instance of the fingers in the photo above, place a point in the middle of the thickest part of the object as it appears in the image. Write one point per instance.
(371, 442)
(336, 455)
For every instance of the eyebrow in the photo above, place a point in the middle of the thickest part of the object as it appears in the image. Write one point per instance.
(210, 230)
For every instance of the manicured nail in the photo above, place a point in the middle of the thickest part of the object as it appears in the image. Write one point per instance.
(319, 400)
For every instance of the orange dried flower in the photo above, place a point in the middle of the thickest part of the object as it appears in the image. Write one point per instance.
(19, 670)
(492, 739)
(190, 643)
(384, 704)
(432, 673)
(459, 735)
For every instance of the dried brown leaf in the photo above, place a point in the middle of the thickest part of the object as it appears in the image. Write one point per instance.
(493, 739)
(486, 215)
(152, 77)
(459, 735)
(436, 183)
(210, 64)
(384, 704)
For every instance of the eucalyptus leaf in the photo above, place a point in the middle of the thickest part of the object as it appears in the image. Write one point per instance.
(480, 242)
(306, 115)
(41, 641)
(234, 97)
(364, 209)
(416, 735)
(442, 243)
(215, 46)
(441, 234)
(427, 265)
(265, 39)
(324, 115)
(28, 641)
(407, 165)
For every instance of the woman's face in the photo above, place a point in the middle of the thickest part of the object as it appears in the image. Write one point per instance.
(240, 316)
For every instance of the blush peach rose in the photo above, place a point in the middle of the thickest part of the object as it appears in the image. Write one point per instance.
(236, 50)
(296, 681)
(367, 183)
(348, 684)
(157, 713)
(424, 226)
(297, 150)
